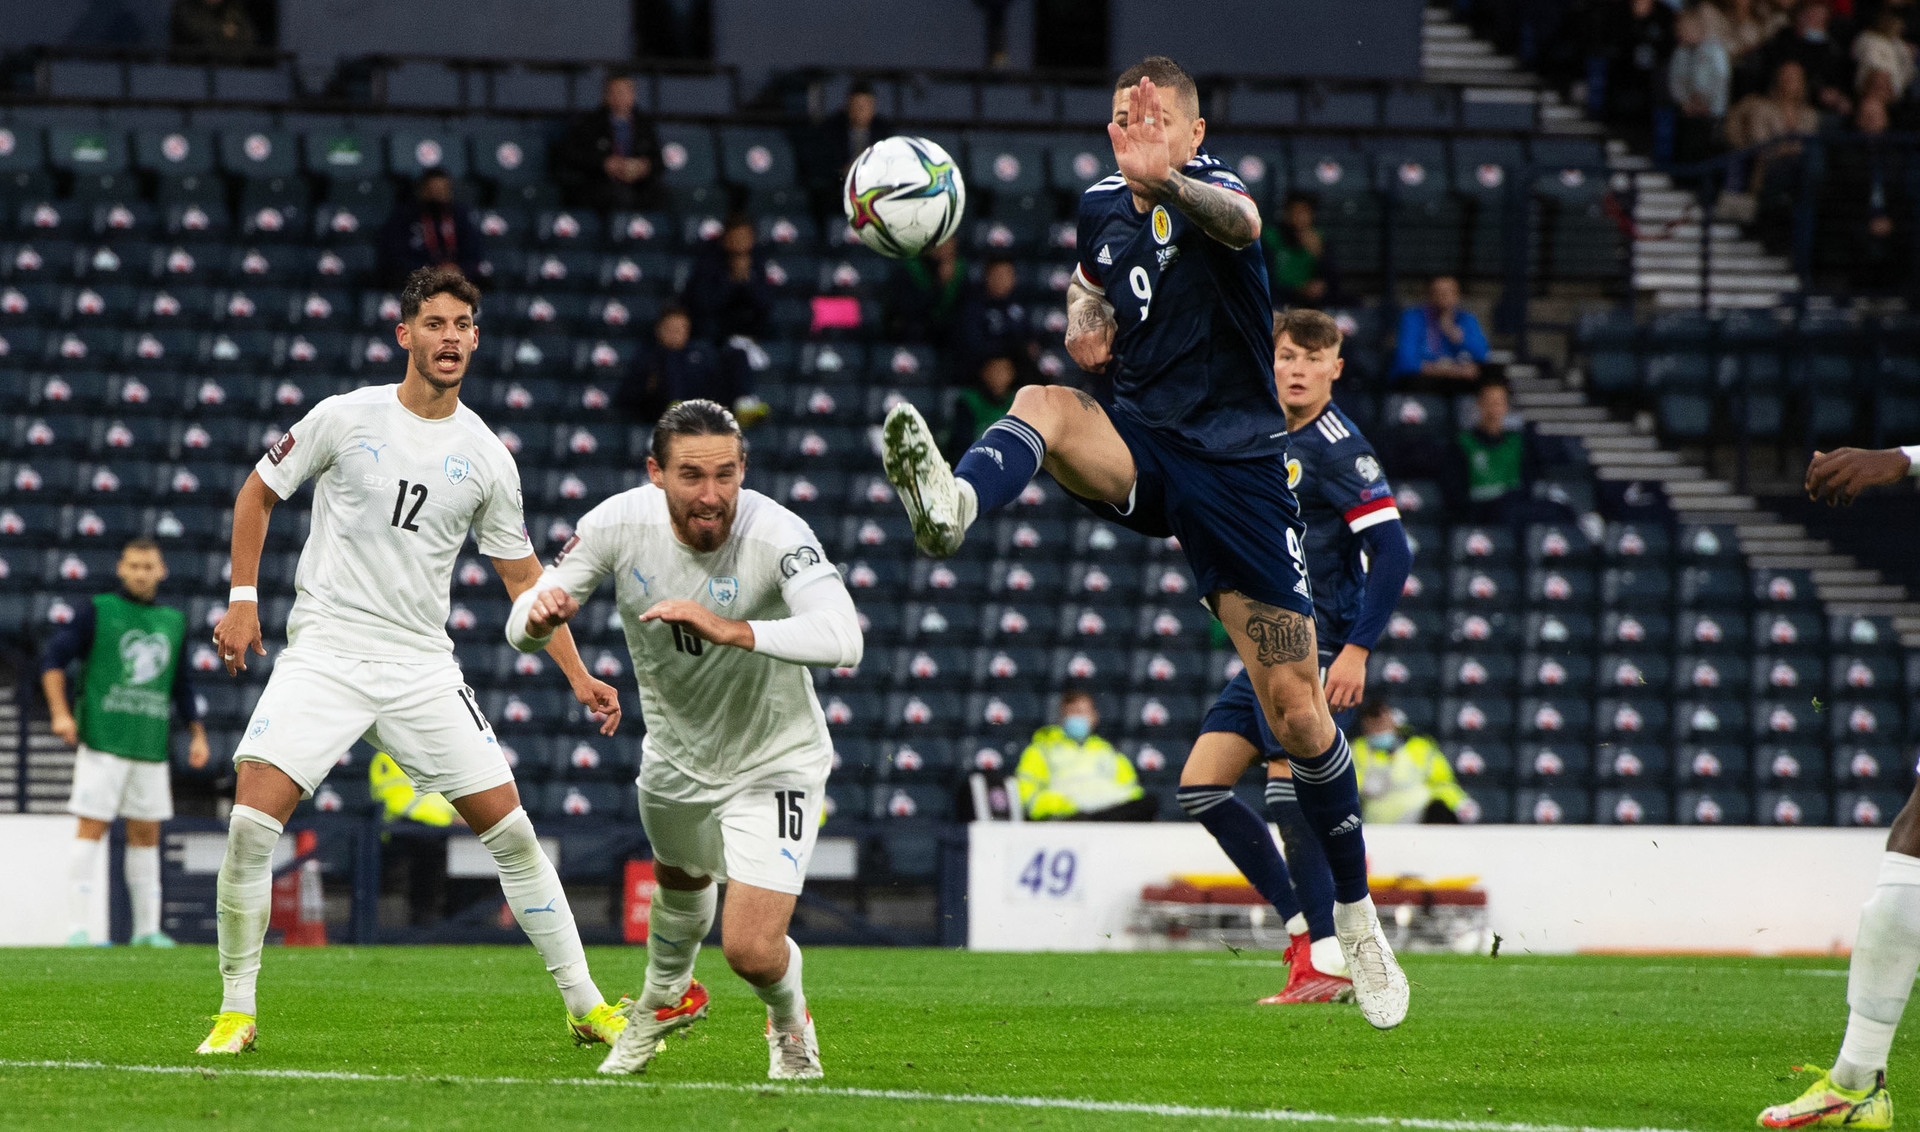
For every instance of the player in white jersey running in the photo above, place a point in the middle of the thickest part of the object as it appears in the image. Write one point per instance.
(725, 598)
(403, 473)
(1886, 946)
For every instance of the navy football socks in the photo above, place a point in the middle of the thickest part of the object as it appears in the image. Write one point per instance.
(1001, 463)
(1329, 797)
(1306, 861)
(1244, 838)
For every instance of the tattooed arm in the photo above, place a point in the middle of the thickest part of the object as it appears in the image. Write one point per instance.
(1220, 212)
(1090, 328)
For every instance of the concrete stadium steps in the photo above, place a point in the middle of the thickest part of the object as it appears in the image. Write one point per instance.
(1620, 451)
(1668, 225)
(1670, 232)
(1449, 53)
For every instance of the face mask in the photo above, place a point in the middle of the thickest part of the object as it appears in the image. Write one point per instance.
(1077, 727)
(1383, 740)
(1814, 35)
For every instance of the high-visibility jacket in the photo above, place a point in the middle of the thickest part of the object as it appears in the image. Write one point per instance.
(1060, 778)
(1396, 785)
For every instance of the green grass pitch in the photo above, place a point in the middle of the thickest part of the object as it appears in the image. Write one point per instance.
(472, 1037)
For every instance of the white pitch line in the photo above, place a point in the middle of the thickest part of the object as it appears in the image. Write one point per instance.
(1071, 1104)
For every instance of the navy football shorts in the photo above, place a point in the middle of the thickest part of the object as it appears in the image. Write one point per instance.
(1237, 712)
(1237, 520)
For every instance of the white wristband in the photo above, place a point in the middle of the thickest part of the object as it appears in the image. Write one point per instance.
(243, 593)
(1912, 453)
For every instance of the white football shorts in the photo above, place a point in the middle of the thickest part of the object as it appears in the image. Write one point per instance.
(107, 786)
(759, 832)
(421, 712)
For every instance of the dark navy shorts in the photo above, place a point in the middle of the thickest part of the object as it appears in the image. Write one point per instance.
(1237, 712)
(1237, 520)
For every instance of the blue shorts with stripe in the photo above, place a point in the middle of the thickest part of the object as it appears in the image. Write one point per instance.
(1237, 712)
(1237, 520)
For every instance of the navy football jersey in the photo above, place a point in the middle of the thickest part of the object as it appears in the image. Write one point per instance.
(1342, 491)
(1193, 354)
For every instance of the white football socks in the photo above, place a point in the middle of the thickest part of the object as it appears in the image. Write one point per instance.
(1886, 954)
(1327, 957)
(969, 503)
(539, 904)
(143, 887)
(676, 923)
(785, 998)
(243, 903)
(83, 865)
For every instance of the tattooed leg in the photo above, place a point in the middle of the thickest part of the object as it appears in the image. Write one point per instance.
(1279, 649)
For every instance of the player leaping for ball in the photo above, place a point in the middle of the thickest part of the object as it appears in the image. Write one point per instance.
(725, 599)
(1358, 556)
(403, 473)
(1886, 946)
(1170, 299)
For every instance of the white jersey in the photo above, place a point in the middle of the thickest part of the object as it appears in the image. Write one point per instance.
(714, 713)
(395, 496)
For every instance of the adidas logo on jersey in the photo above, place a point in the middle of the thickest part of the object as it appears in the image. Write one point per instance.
(1105, 257)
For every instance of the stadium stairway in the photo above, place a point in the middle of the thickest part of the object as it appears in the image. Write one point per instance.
(1623, 451)
(1668, 224)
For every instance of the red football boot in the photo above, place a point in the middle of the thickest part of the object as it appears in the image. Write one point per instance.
(1304, 983)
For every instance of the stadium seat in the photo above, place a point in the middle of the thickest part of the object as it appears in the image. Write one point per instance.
(1552, 806)
(1634, 805)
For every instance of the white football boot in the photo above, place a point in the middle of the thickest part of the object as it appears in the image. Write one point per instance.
(792, 1057)
(914, 466)
(1379, 985)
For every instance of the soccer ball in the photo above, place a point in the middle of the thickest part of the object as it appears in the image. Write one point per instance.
(904, 195)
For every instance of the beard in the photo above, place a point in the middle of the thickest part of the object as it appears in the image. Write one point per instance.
(715, 524)
(423, 365)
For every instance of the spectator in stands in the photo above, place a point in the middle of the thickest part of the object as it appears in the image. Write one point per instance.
(1640, 38)
(673, 367)
(217, 27)
(1494, 464)
(928, 294)
(830, 147)
(1773, 121)
(988, 399)
(609, 157)
(1866, 204)
(429, 231)
(1300, 267)
(994, 322)
(1699, 78)
(1069, 773)
(1404, 778)
(1741, 26)
(1809, 42)
(1881, 51)
(727, 292)
(1440, 339)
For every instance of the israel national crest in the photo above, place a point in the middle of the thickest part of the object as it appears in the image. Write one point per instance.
(457, 468)
(724, 590)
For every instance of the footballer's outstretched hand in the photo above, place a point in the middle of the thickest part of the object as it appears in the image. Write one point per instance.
(551, 609)
(600, 698)
(1838, 477)
(704, 623)
(237, 633)
(1140, 146)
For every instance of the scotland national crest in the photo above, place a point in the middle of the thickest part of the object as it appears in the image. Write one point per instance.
(457, 468)
(724, 590)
